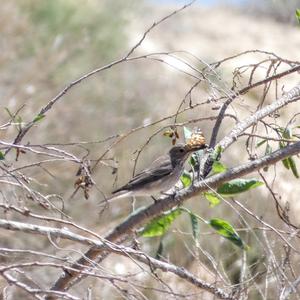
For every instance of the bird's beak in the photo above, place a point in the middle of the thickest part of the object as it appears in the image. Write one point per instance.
(195, 147)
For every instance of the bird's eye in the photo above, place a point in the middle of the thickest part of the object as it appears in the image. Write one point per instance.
(181, 150)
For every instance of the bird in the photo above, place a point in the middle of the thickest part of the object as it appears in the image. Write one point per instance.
(160, 176)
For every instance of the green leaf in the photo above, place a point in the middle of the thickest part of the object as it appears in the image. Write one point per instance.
(38, 118)
(194, 160)
(286, 163)
(187, 133)
(161, 224)
(9, 112)
(237, 186)
(217, 152)
(159, 251)
(260, 143)
(2, 157)
(268, 150)
(218, 167)
(298, 15)
(289, 162)
(226, 230)
(186, 179)
(195, 227)
(212, 198)
(281, 144)
(19, 119)
(293, 167)
(287, 133)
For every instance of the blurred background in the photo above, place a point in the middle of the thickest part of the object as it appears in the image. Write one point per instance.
(45, 45)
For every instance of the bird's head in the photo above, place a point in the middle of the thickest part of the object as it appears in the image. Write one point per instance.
(180, 152)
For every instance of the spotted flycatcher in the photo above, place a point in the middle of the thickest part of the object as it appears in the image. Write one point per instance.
(161, 176)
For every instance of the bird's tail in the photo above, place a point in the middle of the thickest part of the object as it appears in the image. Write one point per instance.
(117, 195)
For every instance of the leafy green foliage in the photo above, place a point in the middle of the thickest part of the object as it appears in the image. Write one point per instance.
(293, 166)
(9, 113)
(196, 158)
(18, 120)
(286, 163)
(212, 198)
(160, 249)
(2, 157)
(226, 230)
(15, 118)
(195, 227)
(237, 186)
(223, 228)
(186, 179)
(289, 162)
(218, 167)
(38, 118)
(298, 15)
(268, 150)
(260, 143)
(194, 161)
(217, 152)
(161, 224)
(287, 133)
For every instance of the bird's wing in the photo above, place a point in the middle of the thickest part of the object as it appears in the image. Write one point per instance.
(159, 168)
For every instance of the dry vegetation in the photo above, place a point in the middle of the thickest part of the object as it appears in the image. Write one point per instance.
(111, 124)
